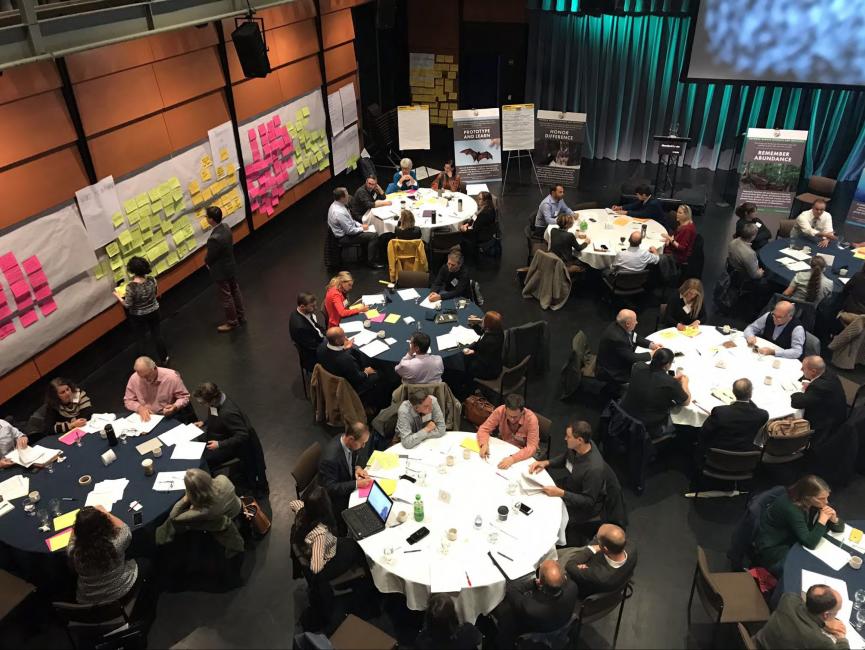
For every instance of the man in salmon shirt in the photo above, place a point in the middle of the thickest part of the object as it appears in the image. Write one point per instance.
(515, 424)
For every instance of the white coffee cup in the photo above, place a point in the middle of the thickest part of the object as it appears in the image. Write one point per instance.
(855, 562)
(768, 380)
(157, 452)
(842, 273)
(108, 457)
(147, 466)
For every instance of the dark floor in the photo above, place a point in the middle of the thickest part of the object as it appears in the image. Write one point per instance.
(257, 366)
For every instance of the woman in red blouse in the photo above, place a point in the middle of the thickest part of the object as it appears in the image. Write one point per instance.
(336, 300)
(681, 244)
(448, 179)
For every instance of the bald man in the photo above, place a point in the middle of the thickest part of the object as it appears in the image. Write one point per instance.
(822, 397)
(616, 350)
(152, 389)
(606, 564)
(635, 259)
(340, 358)
(781, 327)
(812, 623)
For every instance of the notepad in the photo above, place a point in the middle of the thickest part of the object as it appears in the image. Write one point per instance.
(147, 447)
(65, 520)
(471, 444)
(72, 436)
(383, 460)
(375, 348)
(60, 540)
(372, 313)
(446, 342)
(408, 294)
(392, 318)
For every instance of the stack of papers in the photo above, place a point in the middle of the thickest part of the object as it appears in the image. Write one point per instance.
(447, 341)
(408, 294)
(793, 265)
(832, 555)
(180, 433)
(35, 455)
(383, 460)
(169, 481)
(850, 536)
(134, 426)
(15, 487)
(795, 254)
(535, 483)
(426, 304)
(105, 493)
(188, 450)
(98, 421)
(375, 348)
(372, 299)
(351, 327)
(363, 337)
(465, 335)
(147, 447)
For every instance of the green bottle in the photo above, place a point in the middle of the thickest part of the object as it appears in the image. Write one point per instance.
(418, 508)
(584, 225)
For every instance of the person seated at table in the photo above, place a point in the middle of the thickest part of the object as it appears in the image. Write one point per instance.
(550, 208)
(452, 280)
(822, 398)
(336, 302)
(481, 228)
(483, 358)
(227, 429)
(515, 424)
(781, 327)
(564, 244)
(681, 243)
(418, 366)
(801, 514)
(442, 629)
(10, 438)
(209, 504)
(340, 358)
(617, 348)
(366, 197)
(419, 418)
(583, 488)
(653, 393)
(343, 459)
(686, 306)
(741, 255)
(646, 207)
(734, 427)
(152, 389)
(635, 259)
(405, 227)
(853, 298)
(815, 224)
(348, 231)
(67, 407)
(405, 179)
(747, 213)
(809, 625)
(305, 330)
(811, 286)
(604, 565)
(448, 179)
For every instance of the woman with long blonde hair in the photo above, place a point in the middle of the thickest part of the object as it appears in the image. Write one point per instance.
(336, 300)
(686, 307)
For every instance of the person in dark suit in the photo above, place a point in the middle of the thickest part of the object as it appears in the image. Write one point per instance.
(812, 623)
(822, 398)
(647, 207)
(747, 213)
(653, 393)
(306, 332)
(341, 470)
(616, 354)
(452, 280)
(219, 260)
(339, 357)
(442, 629)
(733, 427)
(604, 565)
(481, 228)
(483, 358)
(685, 306)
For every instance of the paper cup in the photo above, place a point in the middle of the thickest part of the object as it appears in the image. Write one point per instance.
(842, 272)
(34, 496)
(450, 461)
(467, 454)
(157, 452)
(147, 466)
(401, 516)
(768, 380)
(108, 457)
(776, 364)
(855, 562)
(85, 480)
(452, 534)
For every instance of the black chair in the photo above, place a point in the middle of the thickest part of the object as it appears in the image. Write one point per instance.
(854, 393)
(785, 227)
(533, 243)
(554, 639)
(693, 268)
(510, 380)
(98, 626)
(597, 606)
(786, 449)
(727, 465)
(626, 286)
(440, 244)
(544, 426)
(305, 375)
(334, 248)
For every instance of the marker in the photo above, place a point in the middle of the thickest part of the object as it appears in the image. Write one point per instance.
(67, 499)
(468, 580)
(504, 556)
(417, 550)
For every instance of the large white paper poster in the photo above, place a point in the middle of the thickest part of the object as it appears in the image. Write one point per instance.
(100, 210)
(349, 104)
(346, 149)
(478, 145)
(518, 127)
(413, 126)
(334, 109)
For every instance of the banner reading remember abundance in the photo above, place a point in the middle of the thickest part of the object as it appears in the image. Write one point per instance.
(559, 147)
(770, 170)
(478, 145)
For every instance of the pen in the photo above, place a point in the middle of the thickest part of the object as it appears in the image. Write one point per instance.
(468, 580)
(504, 556)
(502, 475)
(67, 499)
(414, 550)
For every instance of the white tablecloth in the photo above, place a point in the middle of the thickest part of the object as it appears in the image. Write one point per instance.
(476, 487)
(447, 216)
(608, 229)
(702, 355)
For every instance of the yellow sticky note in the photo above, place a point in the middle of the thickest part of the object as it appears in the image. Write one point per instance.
(117, 219)
(388, 485)
(60, 540)
(471, 444)
(172, 259)
(204, 224)
(160, 268)
(206, 194)
(125, 239)
(223, 153)
(130, 205)
(372, 313)
(65, 521)
(669, 334)
(121, 290)
(691, 331)
(205, 174)
(179, 238)
(392, 318)
(220, 172)
(383, 460)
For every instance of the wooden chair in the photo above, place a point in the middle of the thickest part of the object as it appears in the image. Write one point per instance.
(727, 465)
(356, 634)
(412, 280)
(597, 606)
(511, 380)
(819, 187)
(13, 592)
(726, 597)
(305, 470)
(748, 642)
(785, 226)
(544, 426)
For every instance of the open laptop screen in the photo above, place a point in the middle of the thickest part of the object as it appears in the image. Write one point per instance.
(379, 501)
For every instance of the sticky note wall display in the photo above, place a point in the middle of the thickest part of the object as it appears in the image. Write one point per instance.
(433, 81)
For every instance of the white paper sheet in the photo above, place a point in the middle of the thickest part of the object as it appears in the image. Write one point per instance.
(109, 490)
(363, 337)
(5, 508)
(372, 299)
(188, 450)
(473, 189)
(169, 481)
(843, 537)
(799, 266)
(843, 280)
(352, 326)
(28, 456)
(830, 554)
(104, 499)
(134, 421)
(15, 487)
(408, 320)
(408, 294)
(446, 342)
(426, 304)
(180, 433)
(334, 109)
(349, 104)
(465, 335)
(98, 203)
(830, 259)
(413, 126)
(390, 341)
(98, 421)
(796, 254)
(375, 348)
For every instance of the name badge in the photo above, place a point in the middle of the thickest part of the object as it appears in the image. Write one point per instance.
(213, 411)
(454, 282)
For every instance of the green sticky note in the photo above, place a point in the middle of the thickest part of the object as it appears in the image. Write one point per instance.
(143, 221)
(188, 231)
(112, 249)
(178, 237)
(119, 274)
(129, 206)
(115, 262)
(182, 250)
(169, 210)
(153, 195)
(145, 210)
(172, 259)
(174, 183)
(301, 170)
(117, 219)
(166, 226)
(324, 165)
(125, 239)
(290, 128)
(160, 267)
(99, 271)
(133, 217)
(141, 200)
(305, 111)
(177, 195)
(325, 148)
(155, 252)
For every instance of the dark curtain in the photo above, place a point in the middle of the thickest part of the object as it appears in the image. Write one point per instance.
(623, 72)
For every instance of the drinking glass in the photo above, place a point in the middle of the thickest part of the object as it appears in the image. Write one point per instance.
(859, 623)
(78, 438)
(42, 517)
(29, 506)
(516, 507)
(50, 467)
(54, 507)
(859, 596)
(421, 477)
(387, 554)
(513, 486)
(493, 537)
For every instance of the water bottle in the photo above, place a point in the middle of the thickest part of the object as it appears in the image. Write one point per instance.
(433, 217)
(584, 225)
(459, 205)
(109, 434)
(479, 522)
(643, 231)
(418, 508)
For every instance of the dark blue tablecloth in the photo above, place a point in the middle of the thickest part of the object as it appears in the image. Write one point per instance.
(781, 274)
(401, 330)
(21, 531)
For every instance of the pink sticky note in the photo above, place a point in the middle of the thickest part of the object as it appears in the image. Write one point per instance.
(268, 210)
(7, 261)
(38, 279)
(72, 436)
(24, 303)
(6, 329)
(363, 493)
(42, 293)
(256, 155)
(275, 120)
(19, 289)
(3, 300)
(13, 274)
(31, 265)
(28, 317)
(262, 129)
(378, 319)
(5, 312)
(289, 162)
(253, 205)
(48, 307)
(274, 201)
(251, 134)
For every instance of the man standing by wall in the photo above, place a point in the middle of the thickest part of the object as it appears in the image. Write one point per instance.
(220, 262)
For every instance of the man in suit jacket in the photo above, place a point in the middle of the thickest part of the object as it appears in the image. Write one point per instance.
(341, 470)
(604, 565)
(219, 260)
(733, 427)
(305, 330)
(812, 624)
(822, 398)
(339, 357)
(616, 353)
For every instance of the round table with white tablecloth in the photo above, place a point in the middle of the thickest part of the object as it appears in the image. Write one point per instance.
(448, 214)
(605, 227)
(475, 488)
(710, 365)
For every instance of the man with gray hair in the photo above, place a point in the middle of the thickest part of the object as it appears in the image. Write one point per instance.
(733, 427)
(822, 397)
(152, 389)
(741, 256)
(452, 280)
(419, 418)
(348, 231)
(617, 349)
(781, 328)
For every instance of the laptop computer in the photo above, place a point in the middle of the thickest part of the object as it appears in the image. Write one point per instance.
(369, 517)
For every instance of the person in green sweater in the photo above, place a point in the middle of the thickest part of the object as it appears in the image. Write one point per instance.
(801, 515)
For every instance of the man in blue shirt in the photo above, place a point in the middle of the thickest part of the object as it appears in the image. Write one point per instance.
(348, 231)
(550, 208)
(782, 328)
(646, 207)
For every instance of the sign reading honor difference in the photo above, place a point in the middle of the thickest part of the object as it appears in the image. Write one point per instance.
(559, 147)
(771, 166)
(478, 145)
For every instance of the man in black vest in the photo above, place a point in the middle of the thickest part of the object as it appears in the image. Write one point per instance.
(305, 329)
(781, 327)
(822, 398)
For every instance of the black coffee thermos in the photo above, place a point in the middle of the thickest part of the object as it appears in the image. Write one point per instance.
(109, 433)
(433, 217)
(459, 205)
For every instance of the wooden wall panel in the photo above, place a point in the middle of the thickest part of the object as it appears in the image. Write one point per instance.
(328, 6)
(26, 80)
(78, 339)
(299, 78)
(292, 42)
(133, 146)
(336, 85)
(337, 28)
(189, 123)
(288, 13)
(109, 101)
(35, 186)
(34, 125)
(14, 381)
(108, 59)
(339, 61)
(189, 75)
(495, 11)
(181, 41)
(256, 96)
(444, 38)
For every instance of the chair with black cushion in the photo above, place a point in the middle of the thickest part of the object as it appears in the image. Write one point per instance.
(693, 268)
(334, 248)
(745, 637)
(819, 187)
(440, 244)
(544, 426)
(726, 597)
(412, 280)
(95, 625)
(785, 449)
(597, 606)
(554, 639)
(785, 227)
(727, 465)
(585, 205)
(305, 470)
(510, 380)
(626, 286)
(35, 428)
(854, 393)
(533, 243)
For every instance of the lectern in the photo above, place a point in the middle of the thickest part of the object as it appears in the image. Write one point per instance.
(670, 149)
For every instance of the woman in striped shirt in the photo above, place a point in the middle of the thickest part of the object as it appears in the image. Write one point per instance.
(314, 534)
(142, 307)
(67, 407)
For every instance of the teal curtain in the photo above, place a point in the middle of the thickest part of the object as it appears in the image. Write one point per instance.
(623, 72)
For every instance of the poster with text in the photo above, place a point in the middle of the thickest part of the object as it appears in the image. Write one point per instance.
(478, 145)
(558, 150)
(856, 213)
(771, 164)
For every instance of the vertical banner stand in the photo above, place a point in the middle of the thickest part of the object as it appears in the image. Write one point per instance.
(518, 155)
